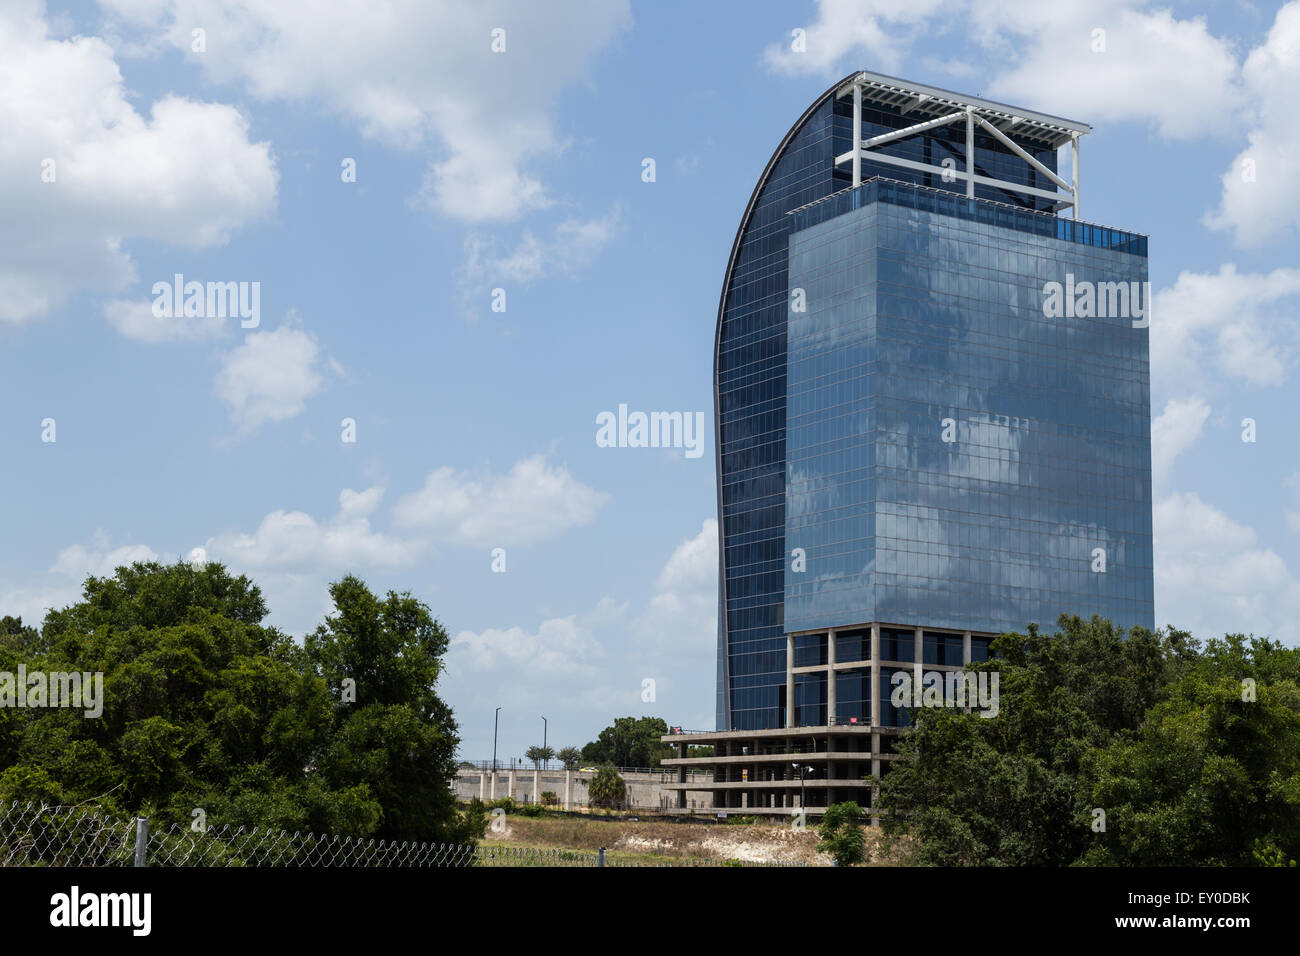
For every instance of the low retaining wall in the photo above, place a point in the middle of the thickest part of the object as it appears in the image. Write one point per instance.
(570, 787)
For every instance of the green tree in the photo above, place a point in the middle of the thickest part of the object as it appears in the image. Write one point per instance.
(629, 742)
(975, 790)
(1212, 777)
(17, 635)
(539, 755)
(841, 834)
(1144, 727)
(397, 737)
(570, 757)
(206, 707)
(203, 706)
(607, 788)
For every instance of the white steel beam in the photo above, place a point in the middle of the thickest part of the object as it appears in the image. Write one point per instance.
(1015, 148)
(960, 174)
(896, 134)
(913, 103)
(911, 130)
(970, 153)
(997, 118)
(1074, 160)
(857, 134)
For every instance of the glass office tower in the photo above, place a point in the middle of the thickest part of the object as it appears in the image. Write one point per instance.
(914, 452)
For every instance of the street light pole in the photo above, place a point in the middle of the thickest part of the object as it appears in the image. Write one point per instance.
(546, 760)
(496, 722)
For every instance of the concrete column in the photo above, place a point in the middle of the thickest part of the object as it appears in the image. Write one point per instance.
(789, 680)
(494, 784)
(568, 789)
(965, 648)
(830, 677)
(511, 793)
(875, 676)
(918, 668)
(483, 786)
(875, 773)
(537, 785)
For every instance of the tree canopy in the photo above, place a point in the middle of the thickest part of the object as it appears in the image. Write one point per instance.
(629, 742)
(539, 755)
(206, 707)
(1108, 747)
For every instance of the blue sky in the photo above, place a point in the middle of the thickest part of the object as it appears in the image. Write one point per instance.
(522, 170)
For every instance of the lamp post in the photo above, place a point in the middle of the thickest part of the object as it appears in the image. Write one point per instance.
(496, 722)
(803, 803)
(546, 760)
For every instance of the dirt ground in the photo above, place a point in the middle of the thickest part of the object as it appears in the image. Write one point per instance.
(651, 840)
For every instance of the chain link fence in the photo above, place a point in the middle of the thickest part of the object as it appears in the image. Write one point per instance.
(38, 835)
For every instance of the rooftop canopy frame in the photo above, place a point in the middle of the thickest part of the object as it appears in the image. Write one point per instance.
(934, 107)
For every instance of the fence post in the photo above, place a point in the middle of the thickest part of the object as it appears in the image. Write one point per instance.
(141, 839)
(600, 857)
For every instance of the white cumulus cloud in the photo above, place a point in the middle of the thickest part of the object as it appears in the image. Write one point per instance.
(532, 502)
(135, 319)
(1214, 577)
(99, 559)
(270, 376)
(1239, 324)
(682, 613)
(599, 662)
(87, 172)
(1174, 431)
(1261, 188)
(1045, 56)
(296, 540)
(414, 74)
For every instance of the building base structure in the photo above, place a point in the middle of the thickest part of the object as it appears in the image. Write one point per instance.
(842, 720)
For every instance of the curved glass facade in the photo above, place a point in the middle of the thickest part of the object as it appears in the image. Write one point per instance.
(756, 477)
(750, 425)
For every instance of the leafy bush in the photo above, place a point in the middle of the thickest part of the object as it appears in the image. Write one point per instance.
(607, 788)
(841, 834)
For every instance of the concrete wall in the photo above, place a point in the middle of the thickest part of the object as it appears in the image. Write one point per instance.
(643, 789)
